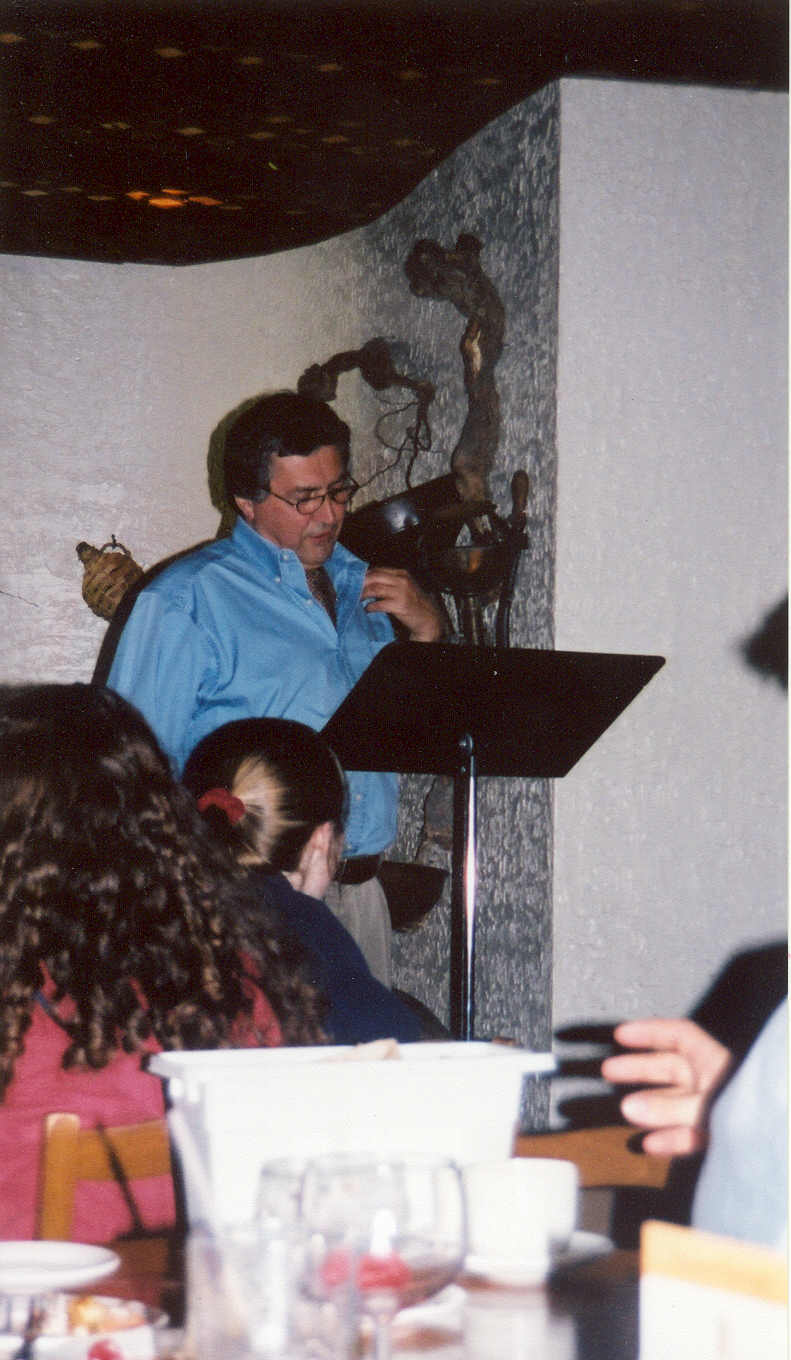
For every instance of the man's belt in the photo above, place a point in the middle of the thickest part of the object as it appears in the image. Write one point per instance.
(359, 869)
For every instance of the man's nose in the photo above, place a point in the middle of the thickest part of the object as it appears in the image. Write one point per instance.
(331, 512)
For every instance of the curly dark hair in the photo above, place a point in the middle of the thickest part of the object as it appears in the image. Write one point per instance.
(111, 882)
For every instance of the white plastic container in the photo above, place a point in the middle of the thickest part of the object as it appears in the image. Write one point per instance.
(245, 1106)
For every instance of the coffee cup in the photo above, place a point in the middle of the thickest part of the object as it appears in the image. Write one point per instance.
(521, 1212)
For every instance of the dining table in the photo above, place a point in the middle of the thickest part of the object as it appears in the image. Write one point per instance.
(585, 1312)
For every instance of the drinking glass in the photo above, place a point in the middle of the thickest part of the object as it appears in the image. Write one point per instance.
(280, 1193)
(393, 1232)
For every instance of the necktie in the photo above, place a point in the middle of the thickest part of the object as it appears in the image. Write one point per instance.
(322, 589)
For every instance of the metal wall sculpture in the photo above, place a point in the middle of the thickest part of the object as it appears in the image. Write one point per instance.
(447, 531)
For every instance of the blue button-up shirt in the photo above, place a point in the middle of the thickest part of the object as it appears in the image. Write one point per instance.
(232, 631)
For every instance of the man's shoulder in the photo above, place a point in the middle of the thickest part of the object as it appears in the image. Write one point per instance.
(180, 572)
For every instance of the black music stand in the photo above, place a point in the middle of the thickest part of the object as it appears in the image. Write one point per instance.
(435, 708)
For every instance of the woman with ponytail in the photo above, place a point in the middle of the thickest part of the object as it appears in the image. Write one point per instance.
(275, 796)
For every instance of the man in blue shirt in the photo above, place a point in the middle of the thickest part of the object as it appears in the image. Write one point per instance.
(279, 619)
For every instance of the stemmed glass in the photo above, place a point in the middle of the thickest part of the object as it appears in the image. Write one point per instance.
(393, 1232)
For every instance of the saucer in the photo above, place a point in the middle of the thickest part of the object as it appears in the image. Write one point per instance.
(514, 1270)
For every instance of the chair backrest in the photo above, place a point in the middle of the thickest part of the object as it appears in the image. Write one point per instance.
(605, 1156)
(71, 1154)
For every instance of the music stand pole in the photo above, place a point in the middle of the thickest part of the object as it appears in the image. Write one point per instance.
(463, 891)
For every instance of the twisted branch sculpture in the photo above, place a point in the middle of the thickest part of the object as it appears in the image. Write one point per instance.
(456, 276)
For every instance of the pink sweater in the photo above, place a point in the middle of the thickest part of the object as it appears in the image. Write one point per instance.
(121, 1093)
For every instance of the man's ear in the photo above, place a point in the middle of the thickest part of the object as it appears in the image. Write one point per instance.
(245, 508)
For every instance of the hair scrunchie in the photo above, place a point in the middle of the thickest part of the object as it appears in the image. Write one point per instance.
(232, 806)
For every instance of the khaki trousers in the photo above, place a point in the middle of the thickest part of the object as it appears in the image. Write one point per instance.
(362, 909)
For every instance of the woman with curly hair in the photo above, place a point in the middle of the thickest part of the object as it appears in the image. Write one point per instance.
(276, 797)
(124, 930)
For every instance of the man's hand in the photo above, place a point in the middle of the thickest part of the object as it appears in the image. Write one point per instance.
(388, 590)
(685, 1064)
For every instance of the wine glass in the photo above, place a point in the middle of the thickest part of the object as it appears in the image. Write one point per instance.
(391, 1231)
(278, 1203)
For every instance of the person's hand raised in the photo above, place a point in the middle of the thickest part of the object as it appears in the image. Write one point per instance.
(683, 1067)
(390, 590)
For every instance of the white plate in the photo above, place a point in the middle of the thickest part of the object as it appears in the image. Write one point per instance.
(37, 1267)
(584, 1246)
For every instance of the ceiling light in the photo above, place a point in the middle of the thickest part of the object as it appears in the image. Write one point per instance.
(165, 203)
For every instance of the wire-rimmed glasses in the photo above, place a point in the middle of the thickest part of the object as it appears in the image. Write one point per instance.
(340, 494)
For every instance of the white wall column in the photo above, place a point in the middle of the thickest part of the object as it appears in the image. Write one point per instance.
(671, 534)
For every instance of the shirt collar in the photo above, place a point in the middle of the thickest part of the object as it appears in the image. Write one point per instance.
(270, 557)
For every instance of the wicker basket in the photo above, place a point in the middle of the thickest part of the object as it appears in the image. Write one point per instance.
(109, 572)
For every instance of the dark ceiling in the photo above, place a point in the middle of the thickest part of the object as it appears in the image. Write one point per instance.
(176, 133)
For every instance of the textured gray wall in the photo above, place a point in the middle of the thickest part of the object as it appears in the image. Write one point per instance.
(502, 186)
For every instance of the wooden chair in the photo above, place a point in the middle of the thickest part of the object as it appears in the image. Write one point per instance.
(71, 1154)
(605, 1156)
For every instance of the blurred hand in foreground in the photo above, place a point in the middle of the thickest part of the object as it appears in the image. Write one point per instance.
(683, 1067)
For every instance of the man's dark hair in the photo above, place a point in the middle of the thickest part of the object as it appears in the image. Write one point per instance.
(281, 425)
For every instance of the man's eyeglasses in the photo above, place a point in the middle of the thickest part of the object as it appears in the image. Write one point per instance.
(308, 505)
